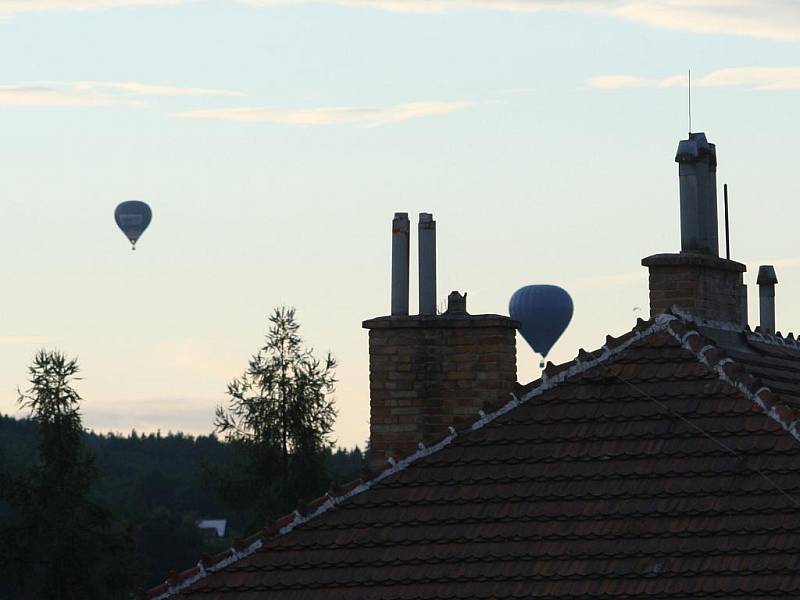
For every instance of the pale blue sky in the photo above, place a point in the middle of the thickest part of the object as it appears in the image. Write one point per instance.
(275, 140)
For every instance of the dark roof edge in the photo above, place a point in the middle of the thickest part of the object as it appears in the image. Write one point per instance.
(693, 259)
(178, 583)
(759, 335)
(775, 339)
(732, 372)
(678, 324)
(553, 375)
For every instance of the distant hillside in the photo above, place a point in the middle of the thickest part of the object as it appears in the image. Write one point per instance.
(156, 483)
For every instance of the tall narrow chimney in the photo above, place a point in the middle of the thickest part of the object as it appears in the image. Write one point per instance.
(697, 280)
(697, 160)
(429, 372)
(766, 294)
(427, 264)
(401, 232)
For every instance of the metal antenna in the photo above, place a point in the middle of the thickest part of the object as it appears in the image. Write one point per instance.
(727, 227)
(690, 102)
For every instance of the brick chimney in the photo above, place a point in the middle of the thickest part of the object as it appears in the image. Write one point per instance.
(697, 280)
(427, 372)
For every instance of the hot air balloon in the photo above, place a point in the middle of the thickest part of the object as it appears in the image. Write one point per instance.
(543, 311)
(133, 217)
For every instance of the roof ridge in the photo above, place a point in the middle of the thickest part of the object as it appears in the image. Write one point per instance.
(734, 373)
(587, 360)
(551, 377)
(679, 325)
(711, 323)
(757, 334)
(773, 339)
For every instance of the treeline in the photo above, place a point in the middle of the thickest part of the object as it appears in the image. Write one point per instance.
(84, 515)
(158, 486)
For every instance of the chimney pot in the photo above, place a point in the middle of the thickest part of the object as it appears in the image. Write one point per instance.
(766, 294)
(425, 372)
(766, 275)
(400, 251)
(427, 264)
(456, 304)
(697, 170)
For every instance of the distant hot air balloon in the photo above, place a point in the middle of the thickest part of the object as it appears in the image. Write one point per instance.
(543, 311)
(133, 217)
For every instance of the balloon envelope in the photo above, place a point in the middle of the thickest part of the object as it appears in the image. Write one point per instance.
(543, 311)
(133, 217)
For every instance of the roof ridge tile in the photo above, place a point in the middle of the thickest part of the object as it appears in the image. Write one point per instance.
(733, 372)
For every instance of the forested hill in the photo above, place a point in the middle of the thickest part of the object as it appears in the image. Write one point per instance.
(157, 483)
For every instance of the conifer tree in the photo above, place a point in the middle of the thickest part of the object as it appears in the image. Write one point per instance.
(61, 545)
(281, 412)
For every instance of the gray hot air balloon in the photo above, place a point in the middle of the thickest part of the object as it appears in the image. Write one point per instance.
(133, 217)
(543, 311)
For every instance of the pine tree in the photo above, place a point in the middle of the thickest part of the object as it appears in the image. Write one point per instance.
(61, 545)
(281, 412)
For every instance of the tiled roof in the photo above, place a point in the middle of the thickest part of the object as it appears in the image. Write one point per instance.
(665, 465)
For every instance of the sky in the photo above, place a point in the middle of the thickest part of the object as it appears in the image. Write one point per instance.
(275, 139)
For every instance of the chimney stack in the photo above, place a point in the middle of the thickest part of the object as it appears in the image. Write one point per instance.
(401, 233)
(697, 171)
(429, 372)
(427, 264)
(696, 279)
(766, 294)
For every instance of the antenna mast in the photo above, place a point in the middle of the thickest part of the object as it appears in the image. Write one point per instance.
(727, 227)
(690, 102)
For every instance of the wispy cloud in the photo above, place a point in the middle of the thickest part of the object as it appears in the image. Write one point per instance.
(43, 95)
(144, 89)
(621, 82)
(440, 6)
(610, 280)
(196, 357)
(93, 93)
(10, 7)
(753, 78)
(24, 339)
(775, 19)
(189, 414)
(756, 78)
(369, 117)
(787, 262)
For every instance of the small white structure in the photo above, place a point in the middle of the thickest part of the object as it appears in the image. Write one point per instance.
(213, 527)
